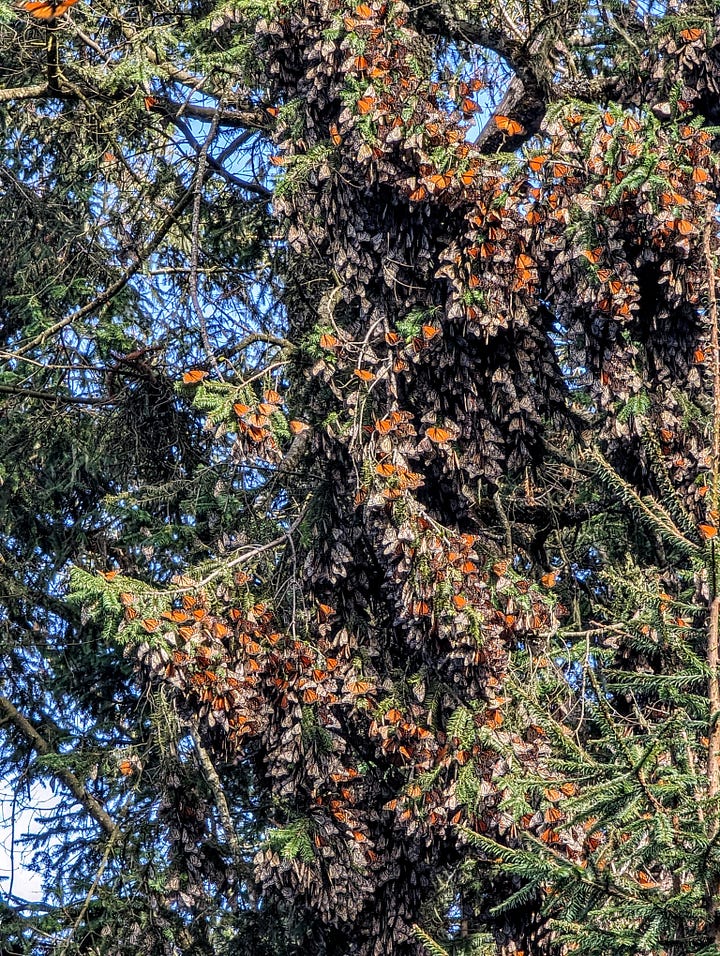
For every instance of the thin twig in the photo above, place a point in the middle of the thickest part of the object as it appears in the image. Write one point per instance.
(195, 244)
(91, 891)
(118, 285)
(53, 397)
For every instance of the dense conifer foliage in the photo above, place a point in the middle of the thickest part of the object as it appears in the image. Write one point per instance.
(360, 476)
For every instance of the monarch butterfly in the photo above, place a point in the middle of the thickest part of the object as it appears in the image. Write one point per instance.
(691, 34)
(196, 375)
(509, 126)
(47, 9)
(177, 617)
(365, 104)
(537, 162)
(683, 226)
(630, 125)
(440, 181)
(438, 435)
(359, 687)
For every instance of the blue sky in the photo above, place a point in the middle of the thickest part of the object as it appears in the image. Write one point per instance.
(24, 808)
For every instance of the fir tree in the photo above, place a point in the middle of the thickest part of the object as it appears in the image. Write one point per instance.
(361, 475)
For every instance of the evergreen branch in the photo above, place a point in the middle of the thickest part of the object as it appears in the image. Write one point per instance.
(91, 891)
(622, 743)
(41, 746)
(117, 286)
(253, 339)
(713, 634)
(551, 724)
(205, 159)
(655, 513)
(715, 346)
(199, 178)
(246, 554)
(428, 943)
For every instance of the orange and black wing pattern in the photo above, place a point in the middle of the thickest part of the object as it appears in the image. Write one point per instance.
(46, 9)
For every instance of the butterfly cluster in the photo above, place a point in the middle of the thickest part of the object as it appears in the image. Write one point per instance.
(428, 369)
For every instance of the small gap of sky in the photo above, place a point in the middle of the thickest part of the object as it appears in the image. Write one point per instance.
(19, 810)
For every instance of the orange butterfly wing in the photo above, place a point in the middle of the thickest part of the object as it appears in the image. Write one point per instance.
(44, 10)
(509, 126)
(438, 435)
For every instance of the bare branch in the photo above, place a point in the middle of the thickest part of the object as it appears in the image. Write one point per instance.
(24, 92)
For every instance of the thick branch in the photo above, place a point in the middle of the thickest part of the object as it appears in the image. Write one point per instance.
(216, 786)
(41, 746)
(24, 92)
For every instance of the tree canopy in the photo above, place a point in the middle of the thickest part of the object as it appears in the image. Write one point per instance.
(360, 475)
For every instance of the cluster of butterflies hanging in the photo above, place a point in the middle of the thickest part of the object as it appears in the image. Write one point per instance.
(46, 9)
